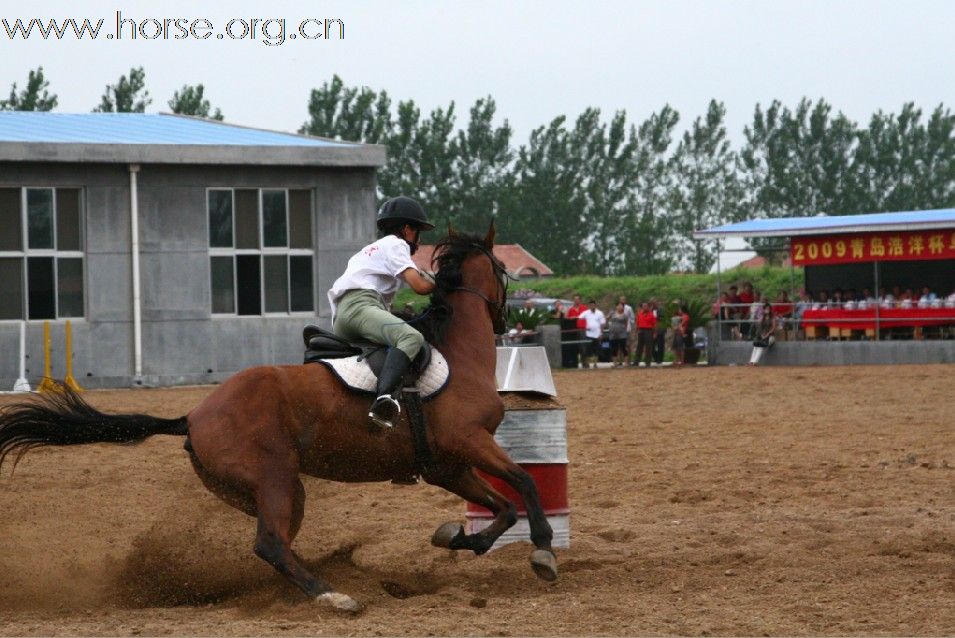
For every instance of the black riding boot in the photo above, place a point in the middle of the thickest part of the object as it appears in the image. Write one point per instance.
(385, 410)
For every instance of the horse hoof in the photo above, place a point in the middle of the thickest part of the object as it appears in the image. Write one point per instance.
(446, 533)
(545, 564)
(338, 601)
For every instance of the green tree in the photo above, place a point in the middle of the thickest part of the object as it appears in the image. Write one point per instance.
(35, 97)
(706, 189)
(191, 101)
(481, 158)
(547, 195)
(348, 113)
(800, 162)
(128, 95)
(904, 164)
(648, 232)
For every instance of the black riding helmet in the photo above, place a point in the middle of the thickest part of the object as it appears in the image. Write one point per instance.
(403, 209)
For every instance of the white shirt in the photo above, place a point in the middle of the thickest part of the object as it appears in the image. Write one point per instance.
(595, 322)
(374, 267)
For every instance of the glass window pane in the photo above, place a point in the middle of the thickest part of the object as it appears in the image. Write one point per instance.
(248, 276)
(246, 218)
(67, 220)
(220, 219)
(11, 288)
(69, 287)
(274, 224)
(300, 219)
(223, 287)
(41, 296)
(300, 274)
(40, 218)
(11, 232)
(276, 283)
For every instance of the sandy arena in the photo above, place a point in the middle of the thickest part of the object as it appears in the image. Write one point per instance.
(769, 501)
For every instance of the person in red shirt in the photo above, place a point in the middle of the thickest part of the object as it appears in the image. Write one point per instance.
(574, 313)
(576, 310)
(646, 323)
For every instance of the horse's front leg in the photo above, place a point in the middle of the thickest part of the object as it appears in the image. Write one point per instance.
(471, 487)
(482, 451)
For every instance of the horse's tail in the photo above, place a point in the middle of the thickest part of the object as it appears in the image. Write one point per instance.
(64, 418)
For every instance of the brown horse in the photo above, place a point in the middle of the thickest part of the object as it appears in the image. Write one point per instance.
(252, 437)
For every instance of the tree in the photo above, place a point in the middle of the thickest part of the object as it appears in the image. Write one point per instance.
(799, 163)
(481, 158)
(34, 97)
(348, 113)
(648, 233)
(191, 101)
(128, 95)
(706, 189)
(547, 195)
(904, 164)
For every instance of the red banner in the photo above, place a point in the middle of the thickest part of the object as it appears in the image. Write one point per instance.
(847, 249)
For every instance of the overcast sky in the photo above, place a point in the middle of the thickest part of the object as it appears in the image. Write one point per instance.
(537, 59)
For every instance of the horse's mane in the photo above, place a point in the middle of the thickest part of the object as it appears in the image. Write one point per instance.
(449, 254)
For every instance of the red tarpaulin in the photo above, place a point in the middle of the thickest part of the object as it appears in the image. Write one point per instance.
(888, 317)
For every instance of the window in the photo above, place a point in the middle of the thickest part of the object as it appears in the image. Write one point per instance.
(260, 251)
(41, 258)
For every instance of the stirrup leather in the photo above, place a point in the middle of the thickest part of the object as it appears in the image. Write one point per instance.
(387, 402)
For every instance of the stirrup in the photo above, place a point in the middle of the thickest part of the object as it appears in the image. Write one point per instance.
(381, 401)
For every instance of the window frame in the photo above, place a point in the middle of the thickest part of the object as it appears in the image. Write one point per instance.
(25, 253)
(262, 252)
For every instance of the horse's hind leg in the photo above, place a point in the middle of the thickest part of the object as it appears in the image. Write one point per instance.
(473, 488)
(280, 501)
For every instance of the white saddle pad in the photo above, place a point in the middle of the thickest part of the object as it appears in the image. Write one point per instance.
(357, 375)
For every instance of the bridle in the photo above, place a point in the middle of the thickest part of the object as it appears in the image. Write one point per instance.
(498, 309)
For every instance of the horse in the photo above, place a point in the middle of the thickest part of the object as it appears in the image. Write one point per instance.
(252, 438)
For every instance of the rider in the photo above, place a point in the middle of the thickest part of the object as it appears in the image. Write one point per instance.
(361, 296)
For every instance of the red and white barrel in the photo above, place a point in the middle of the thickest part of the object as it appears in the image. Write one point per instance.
(534, 435)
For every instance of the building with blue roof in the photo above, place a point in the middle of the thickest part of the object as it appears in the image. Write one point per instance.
(180, 249)
(879, 284)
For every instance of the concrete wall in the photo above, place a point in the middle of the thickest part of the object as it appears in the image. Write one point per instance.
(823, 353)
(182, 342)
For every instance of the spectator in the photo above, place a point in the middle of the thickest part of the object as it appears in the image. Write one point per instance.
(747, 297)
(681, 331)
(594, 322)
(631, 325)
(576, 310)
(659, 333)
(765, 335)
(618, 323)
(574, 313)
(646, 323)
(558, 312)
(804, 304)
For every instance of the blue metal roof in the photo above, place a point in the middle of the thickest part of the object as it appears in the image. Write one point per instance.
(824, 224)
(140, 128)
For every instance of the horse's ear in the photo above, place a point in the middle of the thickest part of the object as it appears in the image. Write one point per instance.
(451, 232)
(489, 239)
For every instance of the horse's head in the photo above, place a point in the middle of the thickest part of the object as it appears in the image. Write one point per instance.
(467, 263)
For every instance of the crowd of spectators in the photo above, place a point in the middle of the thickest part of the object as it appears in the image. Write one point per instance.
(632, 338)
(740, 308)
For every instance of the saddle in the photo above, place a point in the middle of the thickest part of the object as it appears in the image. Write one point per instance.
(321, 344)
(420, 383)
